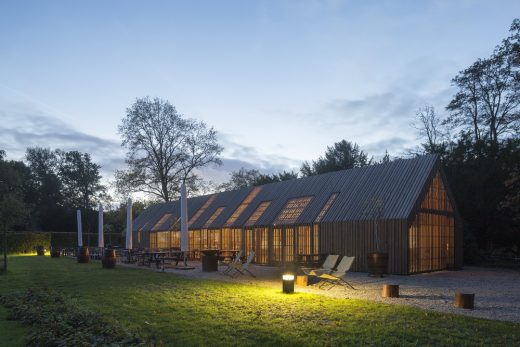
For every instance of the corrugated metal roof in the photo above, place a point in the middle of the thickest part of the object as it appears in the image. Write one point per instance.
(395, 185)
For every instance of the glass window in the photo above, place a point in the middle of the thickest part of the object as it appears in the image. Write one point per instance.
(326, 207)
(255, 216)
(292, 210)
(161, 221)
(214, 216)
(242, 206)
(201, 210)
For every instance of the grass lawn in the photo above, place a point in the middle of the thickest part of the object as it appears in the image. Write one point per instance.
(11, 333)
(168, 310)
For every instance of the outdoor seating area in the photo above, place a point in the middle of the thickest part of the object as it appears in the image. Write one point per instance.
(497, 295)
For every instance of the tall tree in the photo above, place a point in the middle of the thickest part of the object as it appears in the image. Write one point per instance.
(164, 149)
(340, 156)
(487, 102)
(13, 209)
(81, 179)
(46, 188)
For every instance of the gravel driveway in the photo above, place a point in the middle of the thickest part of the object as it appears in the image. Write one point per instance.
(497, 291)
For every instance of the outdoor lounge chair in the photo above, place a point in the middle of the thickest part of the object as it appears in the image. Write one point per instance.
(337, 277)
(242, 268)
(235, 260)
(327, 267)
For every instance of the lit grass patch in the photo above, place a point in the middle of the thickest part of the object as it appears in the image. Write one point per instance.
(165, 309)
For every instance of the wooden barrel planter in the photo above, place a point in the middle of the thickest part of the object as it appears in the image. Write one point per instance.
(40, 251)
(55, 252)
(83, 255)
(109, 259)
(377, 263)
(390, 291)
(463, 300)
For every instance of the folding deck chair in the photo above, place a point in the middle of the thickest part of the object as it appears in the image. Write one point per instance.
(328, 265)
(235, 260)
(337, 277)
(242, 268)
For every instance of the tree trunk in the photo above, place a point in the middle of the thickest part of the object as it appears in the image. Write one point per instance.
(5, 248)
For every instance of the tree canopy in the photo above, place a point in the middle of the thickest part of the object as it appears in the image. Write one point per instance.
(487, 101)
(482, 158)
(340, 156)
(251, 177)
(163, 149)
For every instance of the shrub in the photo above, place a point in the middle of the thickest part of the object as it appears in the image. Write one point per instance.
(25, 241)
(61, 321)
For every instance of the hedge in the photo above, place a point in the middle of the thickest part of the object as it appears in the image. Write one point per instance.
(70, 239)
(25, 241)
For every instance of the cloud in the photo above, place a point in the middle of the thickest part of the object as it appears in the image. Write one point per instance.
(22, 128)
(381, 121)
(251, 157)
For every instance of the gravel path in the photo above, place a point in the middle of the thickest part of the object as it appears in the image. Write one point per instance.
(497, 291)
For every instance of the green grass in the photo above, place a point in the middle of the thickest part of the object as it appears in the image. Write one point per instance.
(169, 310)
(11, 333)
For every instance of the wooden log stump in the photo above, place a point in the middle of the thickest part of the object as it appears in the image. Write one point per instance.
(390, 291)
(302, 280)
(464, 300)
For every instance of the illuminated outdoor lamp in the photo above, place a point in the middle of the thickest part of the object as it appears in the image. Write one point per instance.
(288, 283)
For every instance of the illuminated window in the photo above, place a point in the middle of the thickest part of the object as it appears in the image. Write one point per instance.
(262, 245)
(437, 198)
(304, 240)
(242, 206)
(161, 221)
(201, 210)
(326, 207)
(255, 216)
(214, 216)
(292, 210)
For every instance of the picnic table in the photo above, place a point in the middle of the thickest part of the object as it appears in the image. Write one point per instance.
(172, 256)
(130, 255)
(150, 257)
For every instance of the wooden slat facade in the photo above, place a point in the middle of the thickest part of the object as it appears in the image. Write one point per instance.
(412, 218)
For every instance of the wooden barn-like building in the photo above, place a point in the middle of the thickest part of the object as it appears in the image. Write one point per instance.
(403, 208)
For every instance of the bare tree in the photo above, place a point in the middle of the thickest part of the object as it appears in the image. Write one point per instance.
(488, 95)
(429, 127)
(164, 149)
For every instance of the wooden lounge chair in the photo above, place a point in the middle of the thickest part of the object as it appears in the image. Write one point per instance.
(234, 261)
(242, 268)
(327, 267)
(337, 277)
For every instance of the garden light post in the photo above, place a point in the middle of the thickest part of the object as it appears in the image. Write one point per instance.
(288, 283)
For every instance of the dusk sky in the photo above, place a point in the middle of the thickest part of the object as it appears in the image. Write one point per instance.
(279, 80)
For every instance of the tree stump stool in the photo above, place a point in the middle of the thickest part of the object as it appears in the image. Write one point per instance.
(390, 291)
(463, 300)
(302, 280)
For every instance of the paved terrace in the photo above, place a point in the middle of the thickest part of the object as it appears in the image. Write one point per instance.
(497, 291)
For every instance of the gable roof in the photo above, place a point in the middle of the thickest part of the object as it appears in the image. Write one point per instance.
(397, 184)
